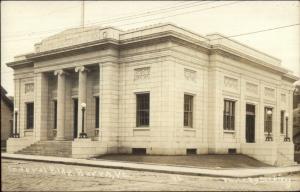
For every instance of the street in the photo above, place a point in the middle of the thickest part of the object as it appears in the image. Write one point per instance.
(18, 175)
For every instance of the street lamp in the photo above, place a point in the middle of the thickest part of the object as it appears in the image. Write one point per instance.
(269, 115)
(286, 138)
(16, 134)
(83, 134)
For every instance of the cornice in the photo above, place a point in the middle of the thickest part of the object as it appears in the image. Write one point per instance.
(227, 51)
(21, 63)
(167, 35)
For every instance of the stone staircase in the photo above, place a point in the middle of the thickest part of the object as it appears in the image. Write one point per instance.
(49, 148)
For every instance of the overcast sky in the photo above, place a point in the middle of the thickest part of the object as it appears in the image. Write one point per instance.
(25, 23)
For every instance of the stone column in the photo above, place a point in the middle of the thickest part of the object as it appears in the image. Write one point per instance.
(61, 83)
(82, 72)
(40, 106)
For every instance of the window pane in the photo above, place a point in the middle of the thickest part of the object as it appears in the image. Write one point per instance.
(30, 115)
(142, 109)
(188, 111)
(268, 119)
(228, 115)
(97, 112)
(55, 114)
(281, 121)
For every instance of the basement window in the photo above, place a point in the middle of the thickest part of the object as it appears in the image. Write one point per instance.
(231, 151)
(139, 151)
(191, 151)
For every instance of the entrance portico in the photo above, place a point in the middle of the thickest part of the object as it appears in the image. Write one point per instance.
(70, 89)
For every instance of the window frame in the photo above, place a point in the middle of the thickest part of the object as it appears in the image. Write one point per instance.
(282, 118)
(142, 114)
(28, 119)
(97, 112)
(55, 114)
(266, 120)
(229, 117)
(189, 110)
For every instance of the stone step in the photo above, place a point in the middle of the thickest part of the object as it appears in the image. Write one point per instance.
(49, 148)
(52, 154)
(38, 148)
(29, 151)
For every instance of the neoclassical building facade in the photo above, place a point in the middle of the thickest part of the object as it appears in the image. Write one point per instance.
(160, 89)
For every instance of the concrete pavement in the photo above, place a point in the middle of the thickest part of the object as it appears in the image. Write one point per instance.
(228, 172)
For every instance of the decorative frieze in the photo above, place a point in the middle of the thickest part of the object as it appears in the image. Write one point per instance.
(29, 87)
(190, 74)
(269, 92)
(142, 73)
(251, 88)
(231, 83)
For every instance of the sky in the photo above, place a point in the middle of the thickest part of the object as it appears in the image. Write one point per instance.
(25, 23)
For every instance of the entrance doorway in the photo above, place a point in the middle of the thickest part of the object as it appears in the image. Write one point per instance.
(75, 118)
(250, 123)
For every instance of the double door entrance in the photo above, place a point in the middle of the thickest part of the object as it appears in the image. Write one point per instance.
(250, 123)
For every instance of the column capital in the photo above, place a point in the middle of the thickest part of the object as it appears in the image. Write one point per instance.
(60, 72)
(81, 69)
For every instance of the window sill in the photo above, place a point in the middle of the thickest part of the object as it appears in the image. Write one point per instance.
(229, 131)
(141, 129)
(28, 130)
(189, 129)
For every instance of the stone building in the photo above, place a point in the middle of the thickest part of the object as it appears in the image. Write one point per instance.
(7, 108)
(160, 89)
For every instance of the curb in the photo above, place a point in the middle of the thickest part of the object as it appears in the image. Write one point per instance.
(228, 173)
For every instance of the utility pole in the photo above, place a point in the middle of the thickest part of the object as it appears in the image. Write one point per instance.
(82, 13)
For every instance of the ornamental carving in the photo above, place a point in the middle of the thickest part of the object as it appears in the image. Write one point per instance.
(29, 87)
(190, 74)
(252, 88)
(142, 73)
(231, 83)
(269, 92)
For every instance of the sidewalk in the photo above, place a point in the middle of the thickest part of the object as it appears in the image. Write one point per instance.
(228, 172)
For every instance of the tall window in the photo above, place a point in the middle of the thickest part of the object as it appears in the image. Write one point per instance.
(282, 121)
(142, 109)
(188, 111)
(55, 113)
(97, 112)
(268, 119)
(228, 115)
(29, 115)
